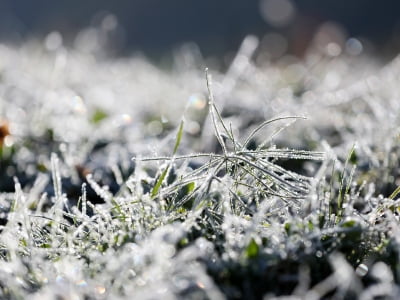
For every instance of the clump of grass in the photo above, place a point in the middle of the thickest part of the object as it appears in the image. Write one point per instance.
(248, 175)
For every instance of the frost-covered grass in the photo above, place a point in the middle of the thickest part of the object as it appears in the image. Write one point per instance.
(122, 181)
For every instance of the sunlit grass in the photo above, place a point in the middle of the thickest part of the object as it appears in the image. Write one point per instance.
(120, 181)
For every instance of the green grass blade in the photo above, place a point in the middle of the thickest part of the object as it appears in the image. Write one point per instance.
(159, 182)
(178, 137)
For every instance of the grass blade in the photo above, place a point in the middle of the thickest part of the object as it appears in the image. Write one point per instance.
(178, 137)
(265, 123)
(159, 182)
(395, 193)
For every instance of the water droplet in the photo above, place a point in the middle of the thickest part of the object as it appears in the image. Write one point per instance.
(361, 270)
(318, 254)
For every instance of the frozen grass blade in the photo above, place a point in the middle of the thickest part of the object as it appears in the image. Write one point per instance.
(262, 125)
(343, 191)
(215, 114)
(55, 168)
(395, 193)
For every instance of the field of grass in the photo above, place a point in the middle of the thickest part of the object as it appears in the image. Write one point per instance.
(270, 180)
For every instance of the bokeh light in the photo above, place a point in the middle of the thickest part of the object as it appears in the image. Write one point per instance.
(277, 13)
(330, 38)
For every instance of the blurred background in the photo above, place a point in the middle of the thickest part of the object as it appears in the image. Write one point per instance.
(217, 27)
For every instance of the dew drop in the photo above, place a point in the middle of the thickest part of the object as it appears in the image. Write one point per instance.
(361, 270)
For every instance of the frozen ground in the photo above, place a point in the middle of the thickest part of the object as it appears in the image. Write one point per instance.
(120, 180)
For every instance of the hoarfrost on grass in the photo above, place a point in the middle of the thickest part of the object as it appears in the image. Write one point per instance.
(216, 204)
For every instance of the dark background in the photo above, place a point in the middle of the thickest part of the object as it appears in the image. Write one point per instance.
(217, 26)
